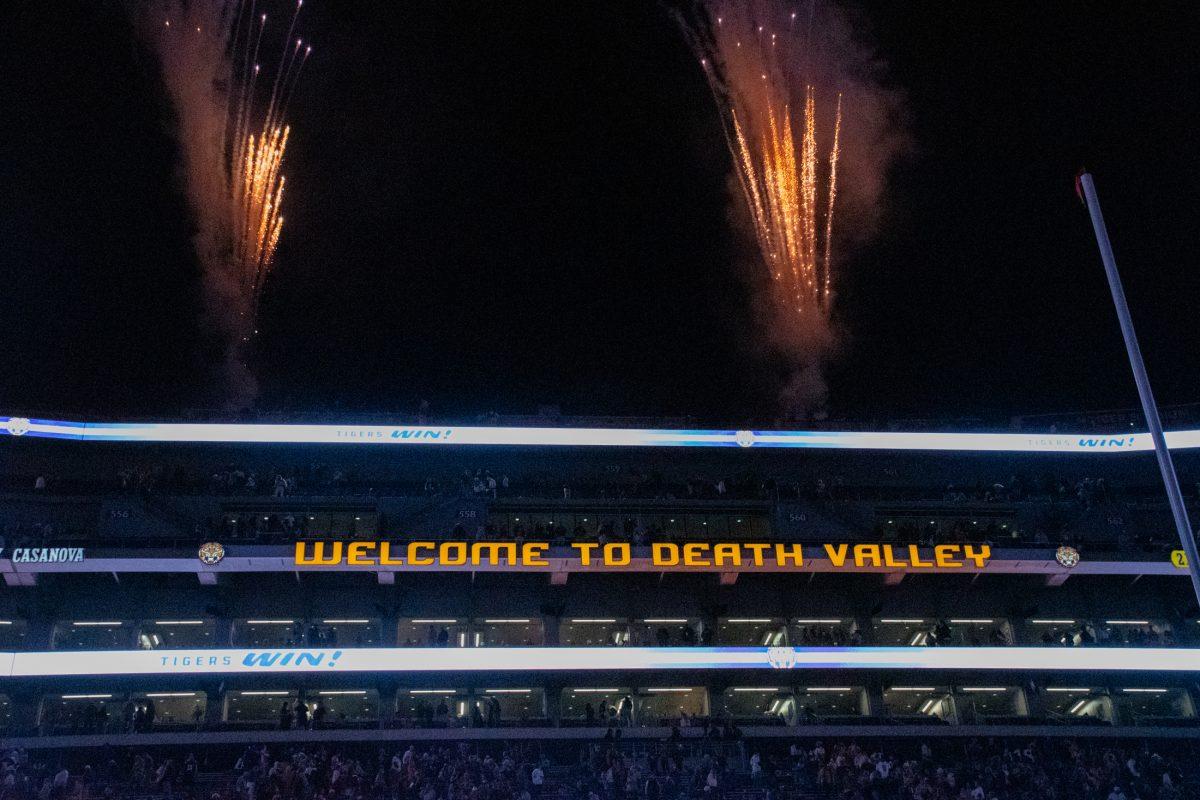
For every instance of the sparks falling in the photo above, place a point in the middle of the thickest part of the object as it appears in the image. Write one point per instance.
(754, 56)
(258, 199)
(234, 137)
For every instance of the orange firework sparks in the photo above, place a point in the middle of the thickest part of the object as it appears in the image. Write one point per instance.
(234, 143)
(258, 199)
(753, 59)
(256, 183)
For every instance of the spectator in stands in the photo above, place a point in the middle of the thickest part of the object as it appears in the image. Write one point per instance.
(300, 711)
(285, 716)
(625, 711)
(198, 716)
(318, 714)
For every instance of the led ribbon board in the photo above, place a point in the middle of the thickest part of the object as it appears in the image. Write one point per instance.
(585, 659)
(584, 437)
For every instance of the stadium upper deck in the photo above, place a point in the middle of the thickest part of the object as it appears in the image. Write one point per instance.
(108, 605)
(1051, 489)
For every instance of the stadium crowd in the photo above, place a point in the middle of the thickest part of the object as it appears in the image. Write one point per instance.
(975, 769)
(1036, 522)
(623, 483)
(987, 770)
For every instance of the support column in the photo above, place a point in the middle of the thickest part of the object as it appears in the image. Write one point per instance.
(387, 688)
(873, 701)
(390, 636)
(554, 705)
(40, 634)
(214, 708)
(550, 629)
(223, 632)
(24, 705)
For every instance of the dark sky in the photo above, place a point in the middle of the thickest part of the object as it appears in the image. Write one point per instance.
(501, 205)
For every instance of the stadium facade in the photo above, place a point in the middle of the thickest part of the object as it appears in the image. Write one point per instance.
(177, 583)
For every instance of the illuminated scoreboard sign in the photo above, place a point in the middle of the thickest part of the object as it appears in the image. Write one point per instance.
(21, 566)
(616, 555)
(584, 437)
(585, 659)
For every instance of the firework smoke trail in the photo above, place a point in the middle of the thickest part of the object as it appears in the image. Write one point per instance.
(753, 59)
(233, 151)
(812, 130)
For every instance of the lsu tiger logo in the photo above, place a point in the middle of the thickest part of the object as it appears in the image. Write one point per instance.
(781, 657)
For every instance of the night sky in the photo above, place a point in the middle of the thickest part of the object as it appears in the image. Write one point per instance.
(495, 206)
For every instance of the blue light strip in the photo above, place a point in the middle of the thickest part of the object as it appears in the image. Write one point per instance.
(587, 659)
(193, 433)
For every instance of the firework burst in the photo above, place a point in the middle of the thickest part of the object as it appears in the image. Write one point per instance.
(233, 137)
(756, 58)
